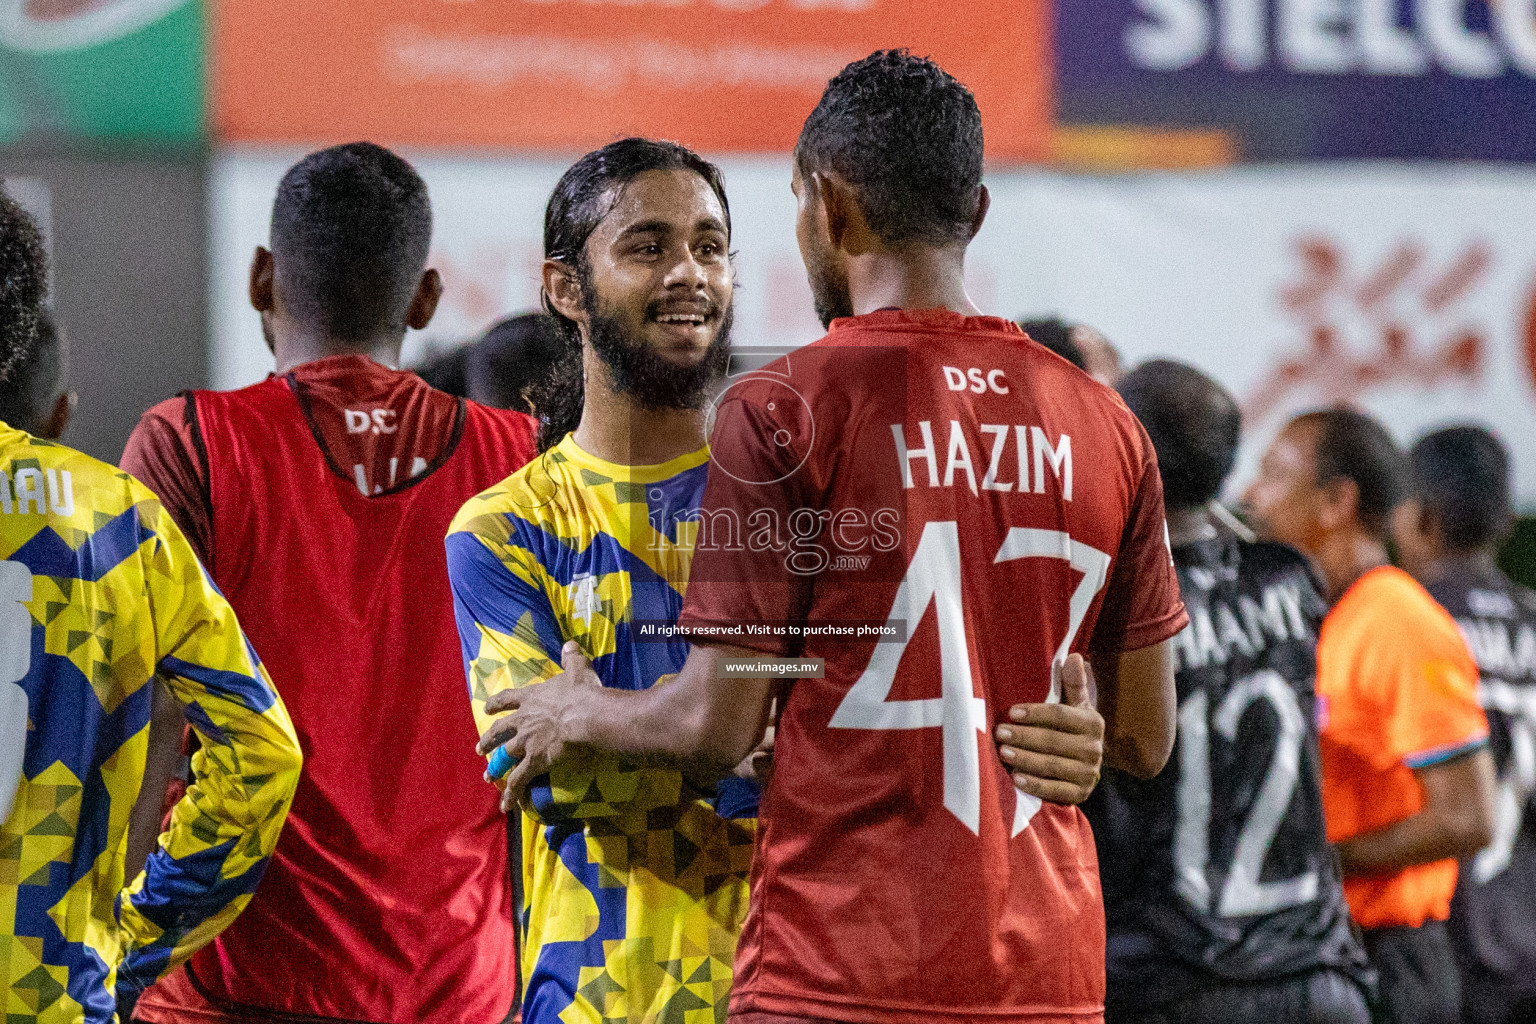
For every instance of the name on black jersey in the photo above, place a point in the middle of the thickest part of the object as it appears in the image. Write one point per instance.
(1498, 653)
(1216, 632)
(1035, 463)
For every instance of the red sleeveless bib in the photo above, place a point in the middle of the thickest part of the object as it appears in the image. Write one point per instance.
(388, 898)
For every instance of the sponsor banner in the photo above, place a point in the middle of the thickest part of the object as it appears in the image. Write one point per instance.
(101, 69)
(1408, 291)
(569, 75)
(1295, 79)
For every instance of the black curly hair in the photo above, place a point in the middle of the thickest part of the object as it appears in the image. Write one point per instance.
(584, 195)
(906, 136)
(1194, 424)
(1461, 475)
(23, 283)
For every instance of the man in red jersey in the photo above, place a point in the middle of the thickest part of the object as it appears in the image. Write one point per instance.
(318, 500)
(937, 512)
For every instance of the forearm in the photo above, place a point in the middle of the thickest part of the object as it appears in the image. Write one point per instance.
(704, 724)
(1137, 700)
(165, 730)
(1455, 821)
(221, 837)
(1416, 840)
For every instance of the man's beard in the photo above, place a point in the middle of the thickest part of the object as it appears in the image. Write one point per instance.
(656, 383)
(829, 293)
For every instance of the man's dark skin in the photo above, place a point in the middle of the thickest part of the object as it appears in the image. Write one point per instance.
(709, 724)
(294, 339)
(1321, 519)
(1423, 551)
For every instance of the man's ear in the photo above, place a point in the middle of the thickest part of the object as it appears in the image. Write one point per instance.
(563, 291)
(261, 280)
(983, 204)
(58, 419)
(1426, 522)
(424, 302)
(836, 205)
(1340, 503)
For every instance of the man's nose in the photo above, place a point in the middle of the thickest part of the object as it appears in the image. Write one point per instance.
(687, 272)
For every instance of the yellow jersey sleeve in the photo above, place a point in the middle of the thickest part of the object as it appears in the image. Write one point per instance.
(225, 828)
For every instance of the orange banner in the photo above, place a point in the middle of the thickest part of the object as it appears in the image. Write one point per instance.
(568, 75)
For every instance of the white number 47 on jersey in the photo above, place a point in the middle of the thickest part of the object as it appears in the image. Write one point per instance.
(934, 576)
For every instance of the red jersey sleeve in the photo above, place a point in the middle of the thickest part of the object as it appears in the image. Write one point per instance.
(759, 499)
(1142, 606)
(165, 452)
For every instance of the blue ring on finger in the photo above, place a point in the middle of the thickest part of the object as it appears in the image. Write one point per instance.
(501, 762)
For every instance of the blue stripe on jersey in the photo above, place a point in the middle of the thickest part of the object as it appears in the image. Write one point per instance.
(675, 500)
(46, 554)
(564, 563)
(234, 685)
(559, 964)
(498, 596)
(1440, 755)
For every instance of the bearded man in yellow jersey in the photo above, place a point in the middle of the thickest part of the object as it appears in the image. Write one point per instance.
(635, 877)
(100, 595)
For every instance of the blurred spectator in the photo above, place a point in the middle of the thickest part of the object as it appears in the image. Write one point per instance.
(1407, 778)
(1079, 344)
(498, 369)
(35, 398)
(1194, 935)
(448, 371)
(1446, 536)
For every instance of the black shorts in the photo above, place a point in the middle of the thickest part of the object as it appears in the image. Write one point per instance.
(1420, 982)
(1316, 997)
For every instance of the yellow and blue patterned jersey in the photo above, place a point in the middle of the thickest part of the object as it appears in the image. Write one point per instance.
(99, 594)
(635, 880)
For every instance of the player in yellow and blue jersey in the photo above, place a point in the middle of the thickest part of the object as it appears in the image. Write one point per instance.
(100, 594)
(635, 877)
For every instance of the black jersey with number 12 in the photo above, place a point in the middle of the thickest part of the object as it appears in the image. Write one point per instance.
(1218, 870)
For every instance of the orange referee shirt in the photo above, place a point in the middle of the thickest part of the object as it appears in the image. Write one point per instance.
(1397, 691)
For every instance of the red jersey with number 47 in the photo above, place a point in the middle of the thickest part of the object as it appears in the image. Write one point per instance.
(942, 510)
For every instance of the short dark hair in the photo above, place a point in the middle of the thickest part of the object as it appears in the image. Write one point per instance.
(1055, 334)
(351, 229)
(906, 136)
(27, 395)
(511, 357)
(1353, 446)
(1194, 423)
(447, 371)
(1461, 476)
(23, 283)
(584, 195)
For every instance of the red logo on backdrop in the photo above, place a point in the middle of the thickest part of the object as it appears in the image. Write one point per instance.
(1401, 321)
(1530, 336)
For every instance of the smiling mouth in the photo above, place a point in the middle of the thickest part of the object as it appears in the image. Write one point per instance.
(685, 319)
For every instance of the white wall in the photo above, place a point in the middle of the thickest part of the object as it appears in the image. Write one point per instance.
(1223, 269)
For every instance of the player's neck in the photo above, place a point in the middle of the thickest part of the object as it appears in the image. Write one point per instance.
(1478, 561)
(1345, 556)
(293, 347)
(1189, 526)
(914, 277)
(616, 429)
